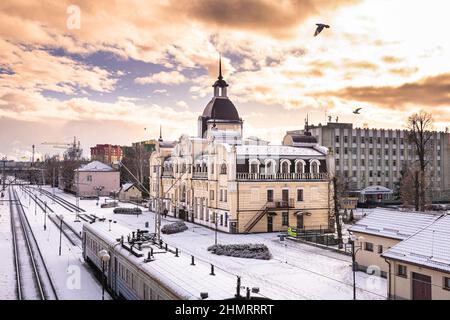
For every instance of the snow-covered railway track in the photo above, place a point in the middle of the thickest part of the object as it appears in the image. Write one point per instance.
(41, 204)
(61, 201)
(33, 278)
(71, 235)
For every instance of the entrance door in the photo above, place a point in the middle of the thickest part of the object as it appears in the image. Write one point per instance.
(269, 223)
(421, 286)
(300, 221)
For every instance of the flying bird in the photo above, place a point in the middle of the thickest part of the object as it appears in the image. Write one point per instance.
(320, 27)
(357, 111)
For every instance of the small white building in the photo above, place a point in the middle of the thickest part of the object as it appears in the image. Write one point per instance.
(130, 192)
(96, 178)
(383, 229)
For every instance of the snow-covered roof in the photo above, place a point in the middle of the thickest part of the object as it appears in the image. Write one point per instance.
(393, 224)
(95, 166)
(430, 247)
(127, 186)
(376, 190)
(277, 150)
(176, 273)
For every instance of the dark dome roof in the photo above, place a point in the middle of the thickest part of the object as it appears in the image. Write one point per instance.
(221, 108)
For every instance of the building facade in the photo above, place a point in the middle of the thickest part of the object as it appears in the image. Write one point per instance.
(221, 180)
(376, 156)
(106, 153)
(95, 179)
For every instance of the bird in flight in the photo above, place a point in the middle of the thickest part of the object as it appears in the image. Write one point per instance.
(356, 111)
(320, 27)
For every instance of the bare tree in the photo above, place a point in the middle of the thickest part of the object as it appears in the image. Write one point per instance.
(420, 126)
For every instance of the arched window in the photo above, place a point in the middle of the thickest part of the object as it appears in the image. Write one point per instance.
(314, 166)
(254, 166)
(198, 168)
(300, 166)
(285, 166)
(223, 168)
(270, 166)
(204, 167)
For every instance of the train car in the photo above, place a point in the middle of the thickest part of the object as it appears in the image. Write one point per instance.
(140, 269)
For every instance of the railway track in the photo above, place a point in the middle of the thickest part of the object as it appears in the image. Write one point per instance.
(33, 278)
(71, 234)
(41, 204)
(61, 201)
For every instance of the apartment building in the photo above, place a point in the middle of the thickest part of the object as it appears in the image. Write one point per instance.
(221, 180)
(376, 156)
(106, 153)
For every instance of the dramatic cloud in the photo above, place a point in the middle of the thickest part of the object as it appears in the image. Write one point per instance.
(172, 77)
(431, 91)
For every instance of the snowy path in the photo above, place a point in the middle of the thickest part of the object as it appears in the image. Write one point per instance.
(297, 271)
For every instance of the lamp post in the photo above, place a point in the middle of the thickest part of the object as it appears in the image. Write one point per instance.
(104, 257)
(45, 215)
(351, 239)
(215, 231)
(61, 218)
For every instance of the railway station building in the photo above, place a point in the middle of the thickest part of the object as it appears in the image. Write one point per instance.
(222, 180)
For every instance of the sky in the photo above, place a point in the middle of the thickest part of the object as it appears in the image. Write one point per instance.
(114, 71)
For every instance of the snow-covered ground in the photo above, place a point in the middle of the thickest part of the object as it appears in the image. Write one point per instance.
(72, 278)
(297, 271)
(7, 275)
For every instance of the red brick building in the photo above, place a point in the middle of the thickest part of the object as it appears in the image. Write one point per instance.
(106, 153)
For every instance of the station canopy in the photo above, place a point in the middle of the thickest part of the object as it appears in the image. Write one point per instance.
(376, 190)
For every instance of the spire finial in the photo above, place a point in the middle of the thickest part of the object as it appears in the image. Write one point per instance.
(307, 123)
(160, 133)
(220, 66)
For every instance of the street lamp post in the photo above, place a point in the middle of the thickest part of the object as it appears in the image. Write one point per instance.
(104, 257)
(45, 215)
(61, 218)
(215, 231)
(351, 239)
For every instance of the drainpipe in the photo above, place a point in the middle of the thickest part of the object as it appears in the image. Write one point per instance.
(389, 279)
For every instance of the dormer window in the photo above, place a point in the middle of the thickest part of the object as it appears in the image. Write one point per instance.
(300, 166)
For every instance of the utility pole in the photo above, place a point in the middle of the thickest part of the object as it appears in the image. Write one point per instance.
(32, 157)
(3, 173)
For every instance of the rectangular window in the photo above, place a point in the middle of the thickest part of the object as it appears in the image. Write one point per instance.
(225, 195)
(89, 178)
(211, 194)
(446, 283)
(221, 195)
(285, 219)
(380, 249)
(269, 195)
(402, 271)
(337, 139)
(299, 194)
(368, 246)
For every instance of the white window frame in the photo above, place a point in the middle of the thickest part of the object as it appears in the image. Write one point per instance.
(295, 165)
(289, 165)
(252, 161)
(311, 162)
(274, 163)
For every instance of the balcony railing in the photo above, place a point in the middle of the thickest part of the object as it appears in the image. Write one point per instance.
(280, 204)
(281, 176)
(200, 175)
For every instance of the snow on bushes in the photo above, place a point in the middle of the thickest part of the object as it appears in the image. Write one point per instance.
(174, 228)
(249, 250)
(128, 210)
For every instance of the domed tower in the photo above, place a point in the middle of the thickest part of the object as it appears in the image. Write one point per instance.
(220, 112)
